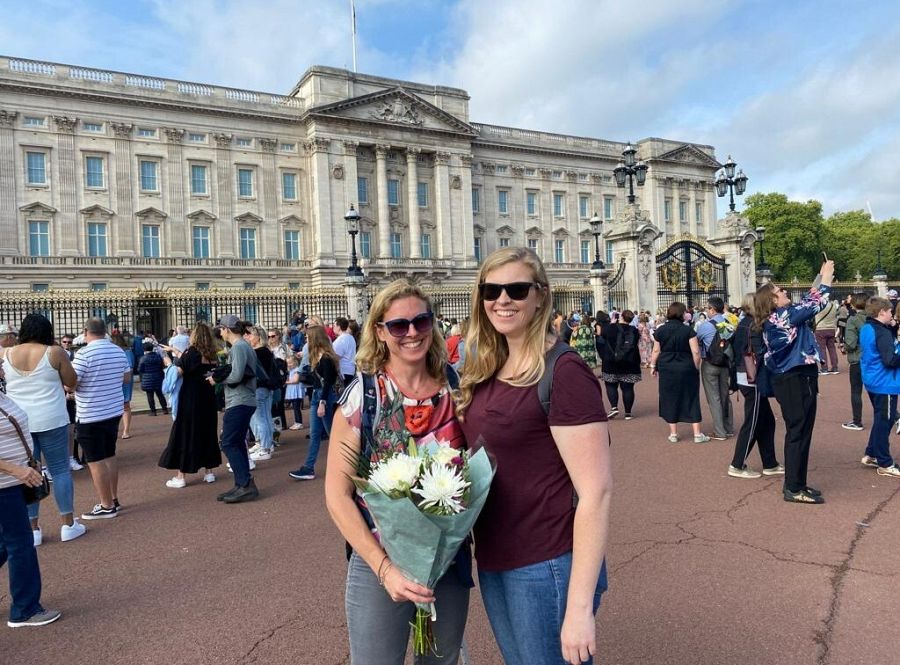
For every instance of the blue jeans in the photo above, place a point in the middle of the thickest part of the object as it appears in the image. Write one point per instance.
(17, 548)
(885, 410)
(54, 446)
(526, 607)
(379, 627)
(318, 425)
(261, 422)
(235, 423)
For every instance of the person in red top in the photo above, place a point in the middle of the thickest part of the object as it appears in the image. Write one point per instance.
(541, 552)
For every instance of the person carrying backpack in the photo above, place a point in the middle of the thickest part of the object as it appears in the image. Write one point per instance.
(715, 367)
(582, 341)
(621, 363)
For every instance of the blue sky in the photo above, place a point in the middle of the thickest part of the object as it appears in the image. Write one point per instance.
(805, 95)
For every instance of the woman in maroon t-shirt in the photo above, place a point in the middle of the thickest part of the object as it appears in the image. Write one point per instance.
(540, 552)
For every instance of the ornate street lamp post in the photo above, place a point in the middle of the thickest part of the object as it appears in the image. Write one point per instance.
(880, 273)
(630, 170)
(763, 272)
(729, 183)
(596, 229)
(352, 219)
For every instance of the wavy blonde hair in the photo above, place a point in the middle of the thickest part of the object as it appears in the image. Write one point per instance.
(486, 349)
(373, 354)
(320, 347)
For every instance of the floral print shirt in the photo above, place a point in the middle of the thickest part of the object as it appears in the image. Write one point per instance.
(788, 335)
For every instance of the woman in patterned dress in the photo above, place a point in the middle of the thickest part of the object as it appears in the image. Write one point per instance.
(645, 341)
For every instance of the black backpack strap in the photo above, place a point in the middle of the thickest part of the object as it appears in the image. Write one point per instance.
(366, 431)
(452, 377)
(546, 383)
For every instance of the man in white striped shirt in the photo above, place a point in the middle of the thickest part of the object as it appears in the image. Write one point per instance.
(102, 369)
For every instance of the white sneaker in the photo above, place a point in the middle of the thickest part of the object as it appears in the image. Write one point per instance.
(252, 466)
(746, 472)
(261, 455)
(254, 448)
(893, 471)
(38, 537)
(209, 477)
(296, 426)
(72, 532)
(74, 465)
(176, 482)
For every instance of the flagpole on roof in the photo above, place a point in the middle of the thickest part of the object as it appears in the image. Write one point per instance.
(353, 30)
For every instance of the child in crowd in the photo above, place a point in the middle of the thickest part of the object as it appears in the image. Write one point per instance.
(294, 391)
(150, 368)
(880, 364)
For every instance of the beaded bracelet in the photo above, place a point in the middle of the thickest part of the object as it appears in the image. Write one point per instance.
(380, 567)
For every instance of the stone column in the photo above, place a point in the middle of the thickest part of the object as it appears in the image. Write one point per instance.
(384, 211)
(692, 209)
(9, 223)
(225, 186)
(321, 197)
(351, 189)
(268, 189)
(598, 288)
(412, 188)
(177, 231)
(126, 235)
(468, 217)
(67, 186)
(442, 204)
(355, 292)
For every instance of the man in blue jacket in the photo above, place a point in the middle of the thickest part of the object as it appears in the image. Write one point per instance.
(880, 364)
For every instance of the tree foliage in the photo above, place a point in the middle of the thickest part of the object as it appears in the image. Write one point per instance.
(797, 234)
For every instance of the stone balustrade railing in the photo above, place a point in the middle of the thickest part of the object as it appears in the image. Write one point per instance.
(151, 261)
(184, 91)
(497, 132)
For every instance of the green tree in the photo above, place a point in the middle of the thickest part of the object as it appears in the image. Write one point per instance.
(850, 240)
(794, 233)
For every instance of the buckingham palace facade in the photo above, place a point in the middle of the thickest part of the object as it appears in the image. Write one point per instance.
(115, 180)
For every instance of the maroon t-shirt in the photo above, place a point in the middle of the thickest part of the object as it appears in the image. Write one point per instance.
(529, 513)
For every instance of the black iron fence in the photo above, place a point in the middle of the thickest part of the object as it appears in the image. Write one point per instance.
(616, 292)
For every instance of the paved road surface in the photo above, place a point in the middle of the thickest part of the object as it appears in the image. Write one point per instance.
(705, 569)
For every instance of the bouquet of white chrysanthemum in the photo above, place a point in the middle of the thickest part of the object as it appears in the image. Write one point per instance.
(424, 503)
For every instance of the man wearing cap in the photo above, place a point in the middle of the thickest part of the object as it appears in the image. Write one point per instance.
(240, 403)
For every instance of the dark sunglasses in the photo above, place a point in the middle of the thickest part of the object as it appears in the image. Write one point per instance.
(515, 290)
(272, 336)
(399, 327)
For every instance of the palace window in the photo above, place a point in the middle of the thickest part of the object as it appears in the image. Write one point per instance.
(245, 183)
(559, 250)
(150, 241)
(609, 253)
(248, 243)
(196, 137)
(667, 210)
(96, 239)
(362, 190)
(198, 180)
(146, 133)
(200, 236)
(476, 200)
(36, 163)
(289, 186)
(32, 121)
(93, 127)
(477, 248)
(149, 176)
(93, 172)
(39, 238)
(393, 192)
(365, 244)
(396, 245)
(292, 245)
(682, 212)
(609, 207)
(698, 212)
(558, 207)
(422, 194)
(288, 147)
(583, 203)
(585, 251)
(426, 246)
(503, 201)
(531, 203)
(243, 142)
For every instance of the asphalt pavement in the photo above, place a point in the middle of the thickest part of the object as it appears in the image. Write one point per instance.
(704, 568)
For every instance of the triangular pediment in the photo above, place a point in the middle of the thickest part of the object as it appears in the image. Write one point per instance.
(505, 231)
(248, 217)
(396, 107)
(561, 232)
(150, 211)
(38, 207)
(201, 214)
(292, 220)
(98, 210)
(534, 231)
(689, 154)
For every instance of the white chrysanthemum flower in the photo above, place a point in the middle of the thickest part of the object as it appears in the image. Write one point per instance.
(445, 455)
(441, 490)
(395, 475)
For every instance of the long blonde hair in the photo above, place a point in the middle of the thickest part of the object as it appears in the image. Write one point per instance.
(486, 349)
(320, 347)
(373, 354)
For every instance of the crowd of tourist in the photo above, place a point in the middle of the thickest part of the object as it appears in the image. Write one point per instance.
(413, 375)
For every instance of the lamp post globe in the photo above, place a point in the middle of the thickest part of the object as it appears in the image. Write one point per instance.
(596, 229)
(352, 219)
(629, 170)
(728, 183)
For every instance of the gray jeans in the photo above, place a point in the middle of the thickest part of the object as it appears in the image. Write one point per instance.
(715, 385)
(379, 628)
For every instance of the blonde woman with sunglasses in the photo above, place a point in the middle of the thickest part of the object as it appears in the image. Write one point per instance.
(406, 357)
(540, 551)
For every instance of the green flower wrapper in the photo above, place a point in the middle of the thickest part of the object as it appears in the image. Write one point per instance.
(423, 545)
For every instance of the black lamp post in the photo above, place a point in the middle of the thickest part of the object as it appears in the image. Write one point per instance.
(762, 267)
(596, 229)
(629, 169)
(880, 273)
(729, 183)
(352, 219)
